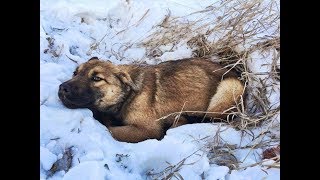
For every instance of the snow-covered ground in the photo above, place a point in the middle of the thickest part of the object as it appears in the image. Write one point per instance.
(72, 31)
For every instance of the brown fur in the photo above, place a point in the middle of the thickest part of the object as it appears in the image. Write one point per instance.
(131, 99)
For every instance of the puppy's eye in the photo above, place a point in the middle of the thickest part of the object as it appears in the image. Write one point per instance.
(96, 78)
(75, 73)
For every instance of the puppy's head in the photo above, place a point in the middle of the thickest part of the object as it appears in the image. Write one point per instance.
(96, 85)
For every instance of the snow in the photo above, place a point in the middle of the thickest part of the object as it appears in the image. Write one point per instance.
(47, 158)
(72, 31)
(217, 172)
(93, 171)
(252, 173)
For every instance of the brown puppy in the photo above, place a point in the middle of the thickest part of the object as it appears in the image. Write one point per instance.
(138, 102)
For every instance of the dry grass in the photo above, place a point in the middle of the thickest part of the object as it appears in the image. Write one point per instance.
(221, 153)
(229, 32)
(172, 170)
(62, 164)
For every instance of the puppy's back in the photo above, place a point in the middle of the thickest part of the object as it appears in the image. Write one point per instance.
(188, 83)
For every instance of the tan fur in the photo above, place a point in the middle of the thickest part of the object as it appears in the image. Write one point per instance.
(228, 94)
(100, 84)
(80, 67)
(138, 96)
(98, 69)
(111, 94)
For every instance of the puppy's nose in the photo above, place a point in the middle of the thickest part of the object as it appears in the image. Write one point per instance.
(64, 88)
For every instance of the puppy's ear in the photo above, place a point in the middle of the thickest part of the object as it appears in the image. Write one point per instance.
(126, 79)
(93, 58)
(96, 58)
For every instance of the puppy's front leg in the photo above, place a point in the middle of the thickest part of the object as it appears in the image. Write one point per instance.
(133, 133)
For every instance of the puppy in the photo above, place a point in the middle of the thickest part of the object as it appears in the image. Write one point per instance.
(139, 102)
